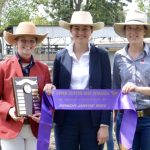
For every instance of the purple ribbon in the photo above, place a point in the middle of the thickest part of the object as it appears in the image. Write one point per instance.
(93, 99)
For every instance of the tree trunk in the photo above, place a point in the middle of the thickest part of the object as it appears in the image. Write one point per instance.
(78, 4)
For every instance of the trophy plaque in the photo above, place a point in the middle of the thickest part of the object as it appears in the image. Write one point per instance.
(26, 94)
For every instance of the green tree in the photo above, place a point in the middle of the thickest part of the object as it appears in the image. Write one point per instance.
(101, 10)
(2, 2)
(13, 13)
(105, 11)
(16, 11)
(144, 5)
(40, 21)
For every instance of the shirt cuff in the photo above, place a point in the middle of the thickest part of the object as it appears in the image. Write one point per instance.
(104, 125)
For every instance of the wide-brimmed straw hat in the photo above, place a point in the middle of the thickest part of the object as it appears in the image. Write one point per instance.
(134, 17)
(23, 29)
(81, 18)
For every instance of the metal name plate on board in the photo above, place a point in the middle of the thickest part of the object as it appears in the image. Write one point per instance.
(25, 88)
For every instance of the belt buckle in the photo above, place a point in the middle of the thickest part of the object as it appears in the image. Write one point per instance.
(140, 113)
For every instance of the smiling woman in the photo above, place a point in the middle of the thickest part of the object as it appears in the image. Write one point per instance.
(25, 46)
(131, 73)
(21, 130)
(81, 65)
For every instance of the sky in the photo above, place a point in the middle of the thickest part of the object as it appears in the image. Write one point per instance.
(132, 5)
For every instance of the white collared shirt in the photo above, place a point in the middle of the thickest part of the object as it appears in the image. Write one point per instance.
(80, 69)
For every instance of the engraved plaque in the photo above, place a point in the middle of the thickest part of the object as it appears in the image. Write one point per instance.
(26, 92)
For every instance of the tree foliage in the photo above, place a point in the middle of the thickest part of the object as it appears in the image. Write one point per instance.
(144, 6)
(2, 2)
(106, 11)
(102, 10)
(15, 11)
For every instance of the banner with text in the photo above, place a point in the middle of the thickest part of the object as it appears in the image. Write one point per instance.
(89, 99)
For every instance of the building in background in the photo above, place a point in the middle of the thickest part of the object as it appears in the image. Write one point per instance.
(59, 38)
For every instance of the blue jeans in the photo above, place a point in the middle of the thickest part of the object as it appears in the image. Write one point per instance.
(142, 134)
(110, 142)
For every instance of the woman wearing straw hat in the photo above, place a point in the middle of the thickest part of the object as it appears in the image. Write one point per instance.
(81, 65)
(19, 133)
(131, 73)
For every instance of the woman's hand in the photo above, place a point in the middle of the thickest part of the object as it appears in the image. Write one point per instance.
(48, 88)
(36, 117)
(102, 135)
(129, 87)
(12, 114)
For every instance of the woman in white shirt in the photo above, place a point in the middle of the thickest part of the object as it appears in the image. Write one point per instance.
(81, 65)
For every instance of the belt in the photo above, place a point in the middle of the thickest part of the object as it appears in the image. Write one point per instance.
(140, 113)
(144, 112)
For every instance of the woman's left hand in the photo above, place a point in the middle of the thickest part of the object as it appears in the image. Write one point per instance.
(48, 88)
(102, 135)
(129, 87)
(36, 117)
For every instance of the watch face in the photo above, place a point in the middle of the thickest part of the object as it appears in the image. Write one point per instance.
(27, 88)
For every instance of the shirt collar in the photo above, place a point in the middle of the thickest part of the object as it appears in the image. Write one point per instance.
(146, 49)
(32, 62)
(71, 52)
